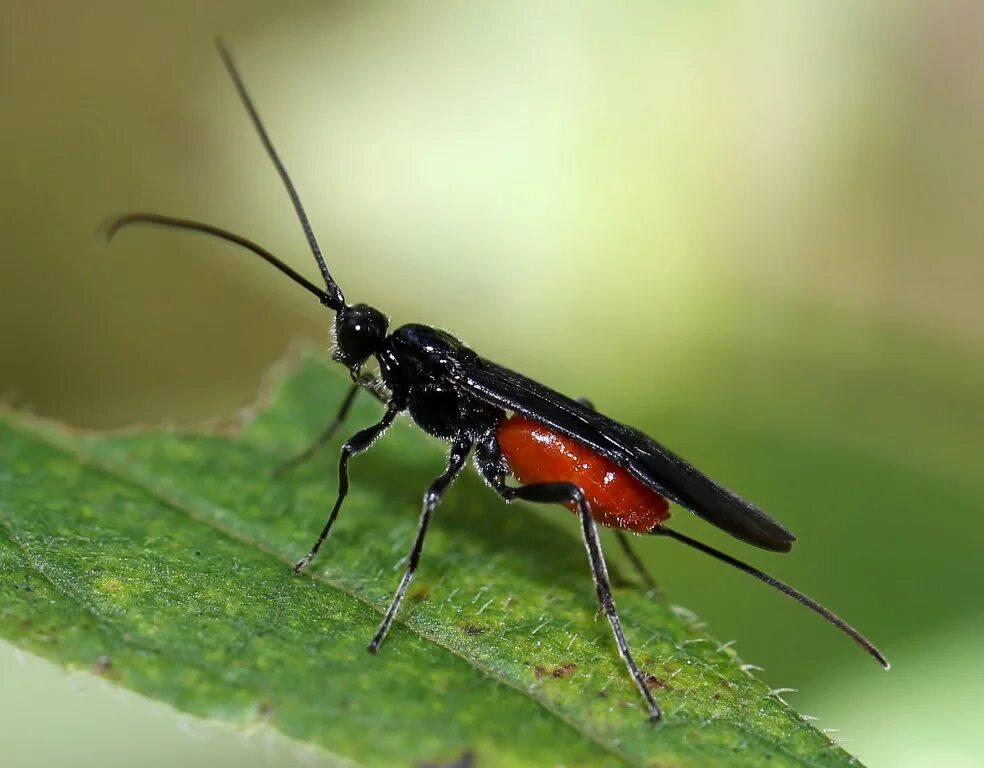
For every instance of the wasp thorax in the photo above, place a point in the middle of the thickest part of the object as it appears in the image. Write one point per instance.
(359, 332)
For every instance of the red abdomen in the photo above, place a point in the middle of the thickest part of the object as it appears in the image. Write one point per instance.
(537, 454)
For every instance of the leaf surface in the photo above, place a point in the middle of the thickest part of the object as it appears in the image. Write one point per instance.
(161, 559)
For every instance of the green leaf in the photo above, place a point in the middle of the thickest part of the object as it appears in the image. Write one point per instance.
(160, 560)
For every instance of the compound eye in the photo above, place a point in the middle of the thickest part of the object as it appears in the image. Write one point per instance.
(359, 331)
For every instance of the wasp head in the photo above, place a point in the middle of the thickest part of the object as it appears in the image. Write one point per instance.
(359, 333)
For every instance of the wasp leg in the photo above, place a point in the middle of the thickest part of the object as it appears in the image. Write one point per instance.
(355, 445)
(567, 493)
(324, 437)
(637, 564)
(286, 466)
(623, 540)
(432, 497)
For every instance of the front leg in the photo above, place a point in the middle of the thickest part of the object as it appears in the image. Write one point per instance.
(355, 445)
(363, 382)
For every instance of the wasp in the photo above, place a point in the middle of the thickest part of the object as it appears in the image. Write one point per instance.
(559, 450)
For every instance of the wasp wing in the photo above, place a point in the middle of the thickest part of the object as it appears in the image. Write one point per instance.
(647, 461)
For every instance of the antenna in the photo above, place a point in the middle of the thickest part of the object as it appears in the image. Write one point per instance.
(809, 602)
(172, 222)
(333, 297)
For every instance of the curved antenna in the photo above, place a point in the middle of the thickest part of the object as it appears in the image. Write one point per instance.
(332, 298)
(195, 226)
(809, 602)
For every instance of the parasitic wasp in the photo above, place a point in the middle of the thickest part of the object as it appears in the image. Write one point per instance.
(560, 450)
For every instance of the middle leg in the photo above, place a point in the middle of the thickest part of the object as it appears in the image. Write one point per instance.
(456, 460)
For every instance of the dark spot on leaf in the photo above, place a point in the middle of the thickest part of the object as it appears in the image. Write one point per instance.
(198, 552)
(653, 683)
(473, 630)
(264, 708)
(464, 760)
(564, 670)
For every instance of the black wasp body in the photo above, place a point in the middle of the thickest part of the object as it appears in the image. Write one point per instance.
(561, 450)
(420, 366)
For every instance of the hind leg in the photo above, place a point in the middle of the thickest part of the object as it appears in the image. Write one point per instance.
(569, 493)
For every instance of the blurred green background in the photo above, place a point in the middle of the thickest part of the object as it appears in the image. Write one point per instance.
(753, 229)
